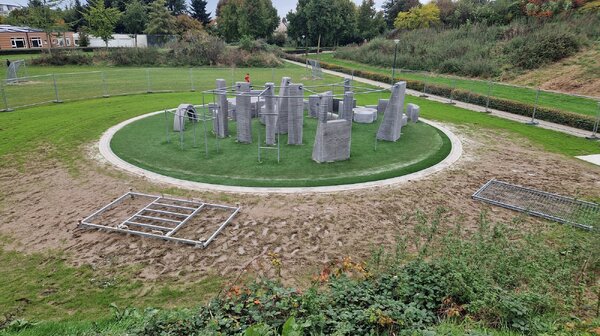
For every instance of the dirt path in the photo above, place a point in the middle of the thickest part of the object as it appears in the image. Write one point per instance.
(40, 207)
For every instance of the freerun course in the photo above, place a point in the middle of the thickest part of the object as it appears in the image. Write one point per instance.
(291, 135)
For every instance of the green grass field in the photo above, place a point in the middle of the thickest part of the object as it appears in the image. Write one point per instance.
(61, 132)
(144, 144)
(558, 101)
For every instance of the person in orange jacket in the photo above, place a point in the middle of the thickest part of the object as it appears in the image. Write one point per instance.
(247, 78)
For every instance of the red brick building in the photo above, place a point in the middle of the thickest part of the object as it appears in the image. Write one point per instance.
(12, 37)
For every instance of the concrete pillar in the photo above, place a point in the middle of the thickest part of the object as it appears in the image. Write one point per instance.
(390, 127)
(244, 117)
(270, 116)
(295, 114)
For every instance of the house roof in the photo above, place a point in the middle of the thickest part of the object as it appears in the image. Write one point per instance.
(15, 29)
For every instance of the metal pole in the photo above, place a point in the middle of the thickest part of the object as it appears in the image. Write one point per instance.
(195, 126)
(451, 101)
(424, 95)
(394, 66)
(594, 135)
(257, 106)
(149, 90)
(487, 99)
(181, 128)
(104, 85)
(6, 108)
(205, 135)
(537, 98)
(56, 89)
(192, 79)
(167, 137)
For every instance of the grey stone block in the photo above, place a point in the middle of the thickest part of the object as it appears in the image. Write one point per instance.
(347, 85)
(244, 119)
(391, 126)
(313, 102)
(283, 105)
(221, 119)
(333, 138)
(347, 107)
(413, 111)
(365, 115)
(295, 114)
(184, 111)
(381, 105)
(270, 115)
(404, 120)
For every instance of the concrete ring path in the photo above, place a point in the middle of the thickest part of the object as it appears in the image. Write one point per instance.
(110, 156)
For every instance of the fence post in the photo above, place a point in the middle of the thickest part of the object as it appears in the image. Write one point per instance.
(55, 89)
(149, 90)
(424, 94)
(5, 99)
(451, 101)
(192, 80)
(104, 85)
(487, 99)
(594, 135)
(537, 98)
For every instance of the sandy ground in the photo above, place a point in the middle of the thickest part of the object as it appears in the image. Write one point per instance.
(41, 205)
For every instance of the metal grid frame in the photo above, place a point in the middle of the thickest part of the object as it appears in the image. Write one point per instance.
(162, 228)
(554, 207)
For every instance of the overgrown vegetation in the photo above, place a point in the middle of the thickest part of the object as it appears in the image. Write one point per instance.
(533, 283)
(192, 49)
(543, 281)
(481, 50)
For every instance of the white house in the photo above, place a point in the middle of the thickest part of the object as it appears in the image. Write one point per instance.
(118, 41)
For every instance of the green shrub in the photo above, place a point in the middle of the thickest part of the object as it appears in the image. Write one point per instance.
(541, 47)
(62, 57)
(132, 56)
(489, 276)
(479, 49)
(197, 48)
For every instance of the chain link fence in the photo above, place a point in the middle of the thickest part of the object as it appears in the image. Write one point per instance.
(63, 87)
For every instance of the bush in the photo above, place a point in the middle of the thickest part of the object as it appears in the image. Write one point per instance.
(197, 48)
(541, 47)
(62, 57)
(489, 277)
(479, 49)
(132, 56)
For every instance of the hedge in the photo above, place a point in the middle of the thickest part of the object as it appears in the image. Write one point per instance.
(566, 118)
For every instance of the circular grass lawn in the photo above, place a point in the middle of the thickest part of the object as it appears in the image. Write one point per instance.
(144, 143)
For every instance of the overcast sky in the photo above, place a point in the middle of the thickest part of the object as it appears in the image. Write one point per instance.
(283, 6)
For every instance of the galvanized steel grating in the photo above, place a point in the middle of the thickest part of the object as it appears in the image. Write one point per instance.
(163, 217)
(554, 207)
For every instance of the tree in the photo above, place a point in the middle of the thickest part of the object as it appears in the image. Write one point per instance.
(176, 7)
(41, 14)
(333, 21)
(73, 16)
(185, 23)
(418, 17)
(391, 8)
(198, 11)
(369, 22)
(135, 18)
(102, 20)
(252, 18)
(160, 21)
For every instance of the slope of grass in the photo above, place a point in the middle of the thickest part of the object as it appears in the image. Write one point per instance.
(526, 95)
(43, 287)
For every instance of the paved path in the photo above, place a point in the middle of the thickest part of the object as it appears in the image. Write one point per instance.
(595, 159)
(510, 116)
